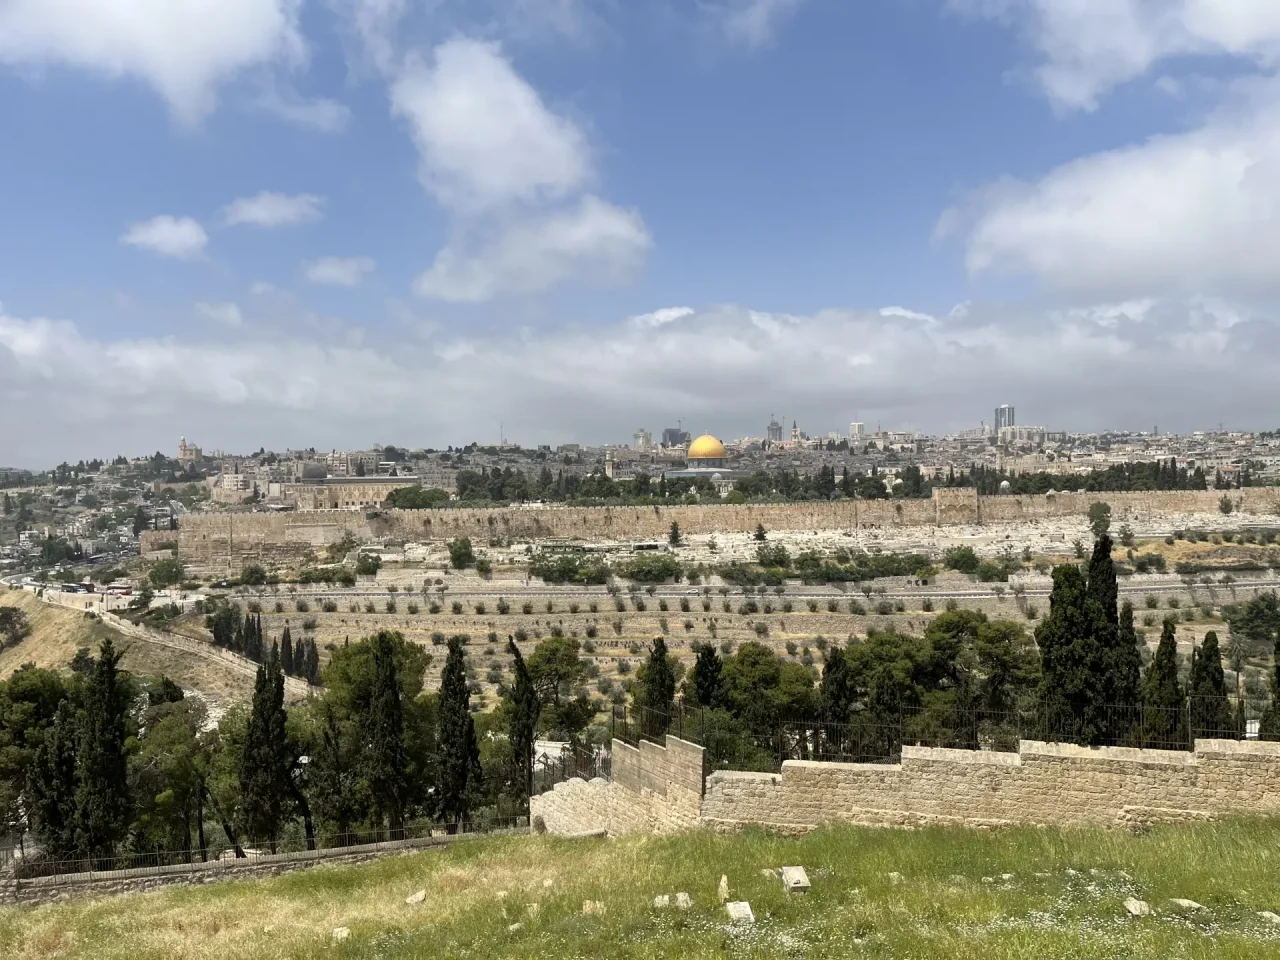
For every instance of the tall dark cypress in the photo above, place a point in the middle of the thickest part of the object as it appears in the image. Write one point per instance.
(385, 762)
(332, 778)
(708, 677)
(459, 755)
(1102, 579)
(103, 805)
(1211, 715)
(1269, 727)
(1164, 718)
(522, 728)
(286, 653)
(264, 768)
(52, 784)
(1073, 687)
(313, 662)
(837, 687)
(658, 686)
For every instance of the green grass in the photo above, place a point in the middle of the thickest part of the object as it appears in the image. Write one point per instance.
(1064, 900)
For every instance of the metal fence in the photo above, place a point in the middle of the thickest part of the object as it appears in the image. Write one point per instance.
(222, 853)
(580, 761)
(879, 736)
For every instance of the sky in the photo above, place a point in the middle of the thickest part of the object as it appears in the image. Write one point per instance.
(334, 223)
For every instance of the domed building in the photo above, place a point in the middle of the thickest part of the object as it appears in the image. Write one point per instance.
(706, 451)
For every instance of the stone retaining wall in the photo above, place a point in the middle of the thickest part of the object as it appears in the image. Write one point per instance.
(1043, 784)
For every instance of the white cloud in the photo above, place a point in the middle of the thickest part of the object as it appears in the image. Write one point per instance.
(184, 49)
(320, 114)
(1088, 47)
(485, 137)
(754, 23)
(339, 271)
(593, 241)
(273, 386)
(268, 209)
(227, 314)
(1191, 213)
(660, 318)
(179, 237)
(905, 314)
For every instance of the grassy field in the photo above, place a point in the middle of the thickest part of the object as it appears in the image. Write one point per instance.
(938, 893)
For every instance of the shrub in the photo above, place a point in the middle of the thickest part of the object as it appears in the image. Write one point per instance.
(617, 625)
(526, 607)
(301, 606)
(633, 648)
(624, 667)
(813, 606)
(434, 608)
(391, 606)
(727, 606)
(591, 630)
(761, 628)
(480, 609)
(833, 606)
(557, 631)
(392, 588)
(369, 607)
(684, 605)
(688, 625)
(768, 607)
(663, 625)
(329, 606)
(437, 638)
(253, 606)
(354, 608)
(309, 624)
(484, 567)
(551, 607)
(1033, 611)
(792, 649)
(593, 607)
(1225, 505)
(786, 606)
(279, 607)
(503, 607)
(857, 609)
(1174, 603)
(639, 604)
(927, 605)
(412, 608)
(962, 559)
(706, 606)
(573, 608)
(456, 607)
(662, 605)
(884, 608)
(521, 635)
(952, 605)
(619, 605)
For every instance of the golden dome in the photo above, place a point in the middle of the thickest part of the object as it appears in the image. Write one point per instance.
(706, 447)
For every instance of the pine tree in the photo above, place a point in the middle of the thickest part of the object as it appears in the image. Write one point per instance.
(286, 653)
(264, 765)
(1163, 709)
(708, 677)
(385, 761)
(459, 755)
(52, 784)
(103, 805)
(522, 726)
(1210, 710)
(1073, 686)
(674, 537)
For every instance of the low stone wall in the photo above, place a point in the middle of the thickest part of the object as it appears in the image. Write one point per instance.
(654, 789)
(1044, 783)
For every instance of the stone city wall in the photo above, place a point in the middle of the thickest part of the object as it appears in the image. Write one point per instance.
(654, 789)
(1043, 784)
(229, 540)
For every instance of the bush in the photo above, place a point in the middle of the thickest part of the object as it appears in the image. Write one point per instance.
(526, 608)
(961, 559)
(329, 606)
(1174, 603)
(1033, 611)
(617, 626)
(624, 667)
(663, 625)
(688, 626)
(662, 605)
(792, 649)
(787, 606)
(391, 606)
(279, 608)
(521, 635)
(354, 608)
(1225, 505)
(434, 608)
(927, 605)
(857, 609)
(593, 607)
(253, 606)
(368, 564)
(706, 606)
(619, 605)
(480, 608)
(412, 607)
(503, 607)
(301, 606)
(639, 604)
(461, 554)
(1152, 602)
(884, 608)
(369, 607)
(590, 630)
(456, 607)
(761, 628)
(551, 607)
(833, 606)
(253, 576)
(309, 624)
(484, 566)
(437, 638)
(392, 588)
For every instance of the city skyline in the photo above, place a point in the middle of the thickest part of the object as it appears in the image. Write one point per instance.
(911, 211)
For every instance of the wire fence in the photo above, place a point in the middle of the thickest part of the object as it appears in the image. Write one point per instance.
(878, 736)
(575, 761)
(60, 868)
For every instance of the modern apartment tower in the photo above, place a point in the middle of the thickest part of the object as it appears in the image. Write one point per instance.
(1004, 418)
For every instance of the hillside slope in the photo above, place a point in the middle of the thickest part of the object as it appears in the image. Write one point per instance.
(56, 634)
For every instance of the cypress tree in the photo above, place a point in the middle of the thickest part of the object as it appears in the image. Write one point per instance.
(884, 715)
(102, 794)
(1102, 579)
(52, 784)
(459, 755)
(708, 677)
(523, 723)
(332, 778)
(385, 759)
(286, 652)
(837, 687)
(313, 663)
(1269, 727)
(1210, 710)
(1163, 709)
(1073, 686)
(1124, 679)
(264, 765)
(658, 684)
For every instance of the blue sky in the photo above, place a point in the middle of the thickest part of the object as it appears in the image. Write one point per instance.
(295, 222)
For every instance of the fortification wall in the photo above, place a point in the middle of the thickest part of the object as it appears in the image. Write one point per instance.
(229, 540)
(655, 789)
(1044, 783)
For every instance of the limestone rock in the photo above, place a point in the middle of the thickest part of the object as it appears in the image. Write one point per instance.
(595, 907)
(724, 888)
(532, 910)
(1189, 906)
(1270, 917)
(768, 872)
(895, 877)
(740, 912)
(341, 933)
(795, 880)
(662, 901)
(546, 884)
(515, 927)
(1137, 908)
(684, 902)
(416, 897)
